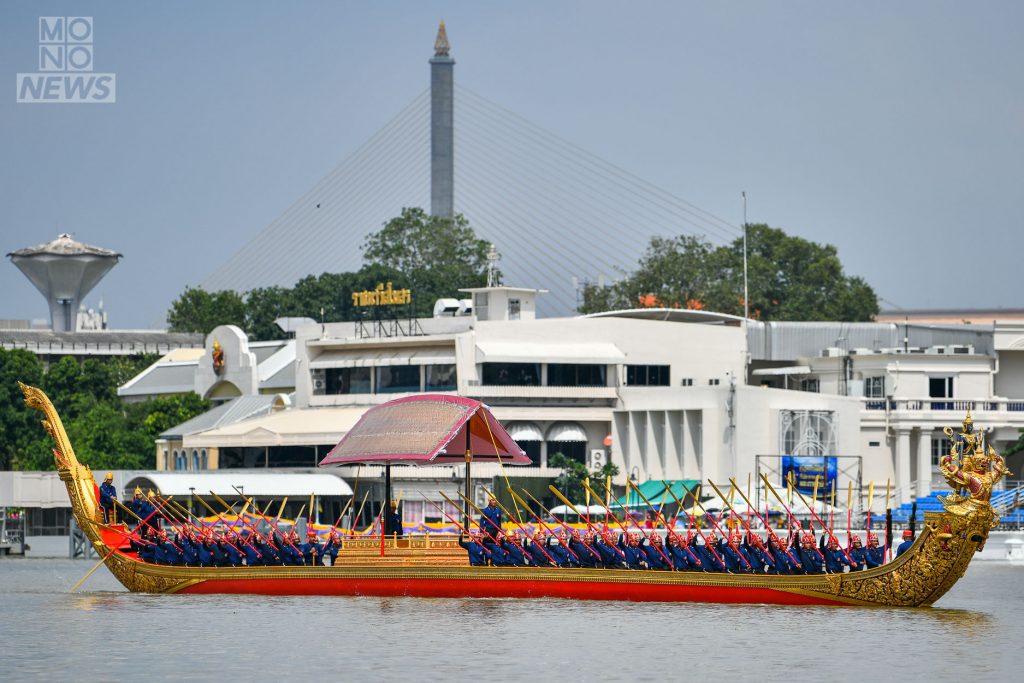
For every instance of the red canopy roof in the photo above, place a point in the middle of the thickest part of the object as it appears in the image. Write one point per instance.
(427, 429)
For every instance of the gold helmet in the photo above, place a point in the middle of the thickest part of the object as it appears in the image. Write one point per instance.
(109, 477)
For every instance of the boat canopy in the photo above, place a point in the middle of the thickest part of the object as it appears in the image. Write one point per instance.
(427, 429)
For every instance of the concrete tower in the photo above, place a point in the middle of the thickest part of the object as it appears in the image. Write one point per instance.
(442, 134)
(64, 271)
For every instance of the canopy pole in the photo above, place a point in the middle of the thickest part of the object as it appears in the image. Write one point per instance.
(469, 459)
(387, 499)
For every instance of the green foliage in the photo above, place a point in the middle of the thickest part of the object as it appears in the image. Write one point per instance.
(200, 311)
(432, 256)
(789, 278)
(438, 255)
(106, 433)
(570, 481)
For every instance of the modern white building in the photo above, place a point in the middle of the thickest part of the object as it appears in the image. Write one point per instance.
(661, 393)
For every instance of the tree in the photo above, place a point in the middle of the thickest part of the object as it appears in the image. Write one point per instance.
(570, 481)
(789, 278)
(20, 432)
(263, 306)
(439, 255)
(200, 311)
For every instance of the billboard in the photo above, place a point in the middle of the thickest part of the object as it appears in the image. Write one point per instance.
(805, 468)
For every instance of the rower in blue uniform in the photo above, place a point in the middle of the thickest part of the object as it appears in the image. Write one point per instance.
(811, 560)
(108, 496)
(635, 558)
(558, 552)
(683, 557)
(204, 550)
(584, 549)
(610, 556)
(784, 564)
(312, 553)
(711, 554)
(147, 549)
(332, 547)
(859, 555)
(512, 545)
(536, 550)
(231, 553)
(908, 540)
(655, 553)
(876, 555)
(835, 558)
(736, 561)
(253, 557)
(187, 543)
(761, 560)
(499, 556)
(478, 554)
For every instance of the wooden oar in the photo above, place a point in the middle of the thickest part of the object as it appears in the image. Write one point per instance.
(112, 551)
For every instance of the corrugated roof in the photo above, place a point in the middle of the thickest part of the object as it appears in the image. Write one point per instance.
(162, 378)
(298, 427)
(229, 412)
(787, 341)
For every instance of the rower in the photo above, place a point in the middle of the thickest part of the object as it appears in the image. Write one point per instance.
(908, 540)
(535, 548)
(761, 560)
(876, 554)
(511, 544)
(478, 554)
(610, 557)
(332, 547)
(654, 553)
(810, 560)
(108, 498)
(736, 561)
(835, 558)
(708, 557)
(784, 564)
(312, 553)
(859, 555)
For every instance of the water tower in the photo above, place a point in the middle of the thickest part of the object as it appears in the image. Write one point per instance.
(64, 271)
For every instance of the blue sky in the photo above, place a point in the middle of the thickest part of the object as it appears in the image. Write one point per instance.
(893, 130)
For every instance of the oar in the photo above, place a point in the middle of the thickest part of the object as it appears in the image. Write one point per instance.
(764, 520)
(792, 517)
(655, 546)
(824, 527)
(565, 500)
(719, 529)
(112, 551)
(539, 519)
(516, 521)
(696, 527)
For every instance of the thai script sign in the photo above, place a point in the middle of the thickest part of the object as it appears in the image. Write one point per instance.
(382, 295)
(805, 469)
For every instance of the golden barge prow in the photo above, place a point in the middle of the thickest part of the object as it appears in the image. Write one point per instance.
(435, 566)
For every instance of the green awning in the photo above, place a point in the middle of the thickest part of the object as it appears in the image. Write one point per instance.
(655, 491)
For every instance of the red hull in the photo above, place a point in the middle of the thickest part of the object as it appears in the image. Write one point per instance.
(490, 588)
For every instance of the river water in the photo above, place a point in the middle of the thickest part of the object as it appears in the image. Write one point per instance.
(103, 633)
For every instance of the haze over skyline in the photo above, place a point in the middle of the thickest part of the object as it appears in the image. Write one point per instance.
(895, 133)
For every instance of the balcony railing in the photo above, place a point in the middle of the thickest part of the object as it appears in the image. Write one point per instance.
(959, 405)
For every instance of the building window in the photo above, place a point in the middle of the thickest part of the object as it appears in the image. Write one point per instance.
(810, 384)
(874, 444)
(686, 382)
(514, 374)
(347, 380)
(647, 376)
(441, 377)
(714, 382)
(940, 387)
(514, 309)
(938, 448)
(392, 379)
(180, 460)
(195, 459)
(574, 450)
(532, 450)
(874, 387)
(204, 462)
(577, 375)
